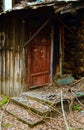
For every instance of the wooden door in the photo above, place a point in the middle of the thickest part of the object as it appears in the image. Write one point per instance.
(39, 60)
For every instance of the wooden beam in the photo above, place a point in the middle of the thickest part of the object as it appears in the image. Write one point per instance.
(51, 59)
(60, 21)
(60, 50)
(12, 91)
(36, 33)
(22, 58)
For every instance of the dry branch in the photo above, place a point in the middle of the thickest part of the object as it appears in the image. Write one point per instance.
(67, 127)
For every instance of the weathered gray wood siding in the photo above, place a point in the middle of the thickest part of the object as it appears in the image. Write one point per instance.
(15, 30)
(12, 63)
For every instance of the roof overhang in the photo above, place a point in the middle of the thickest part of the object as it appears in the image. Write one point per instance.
(60, 6)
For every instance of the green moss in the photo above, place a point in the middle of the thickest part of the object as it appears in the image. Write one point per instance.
(4, 100)
(76, 107)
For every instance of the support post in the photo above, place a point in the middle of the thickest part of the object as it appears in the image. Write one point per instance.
(51, 59)
(60, 51)
(23, 57)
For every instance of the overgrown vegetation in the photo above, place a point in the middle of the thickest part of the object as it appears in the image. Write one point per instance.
(4, 100)
(76, 107)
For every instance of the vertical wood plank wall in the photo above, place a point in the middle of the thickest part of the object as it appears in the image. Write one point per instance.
(11, 56)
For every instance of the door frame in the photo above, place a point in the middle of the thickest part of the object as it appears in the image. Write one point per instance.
(51, 54)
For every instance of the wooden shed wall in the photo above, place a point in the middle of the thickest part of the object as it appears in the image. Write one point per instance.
(11, 55)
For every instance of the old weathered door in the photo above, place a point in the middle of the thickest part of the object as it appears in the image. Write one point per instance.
(39, 60)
